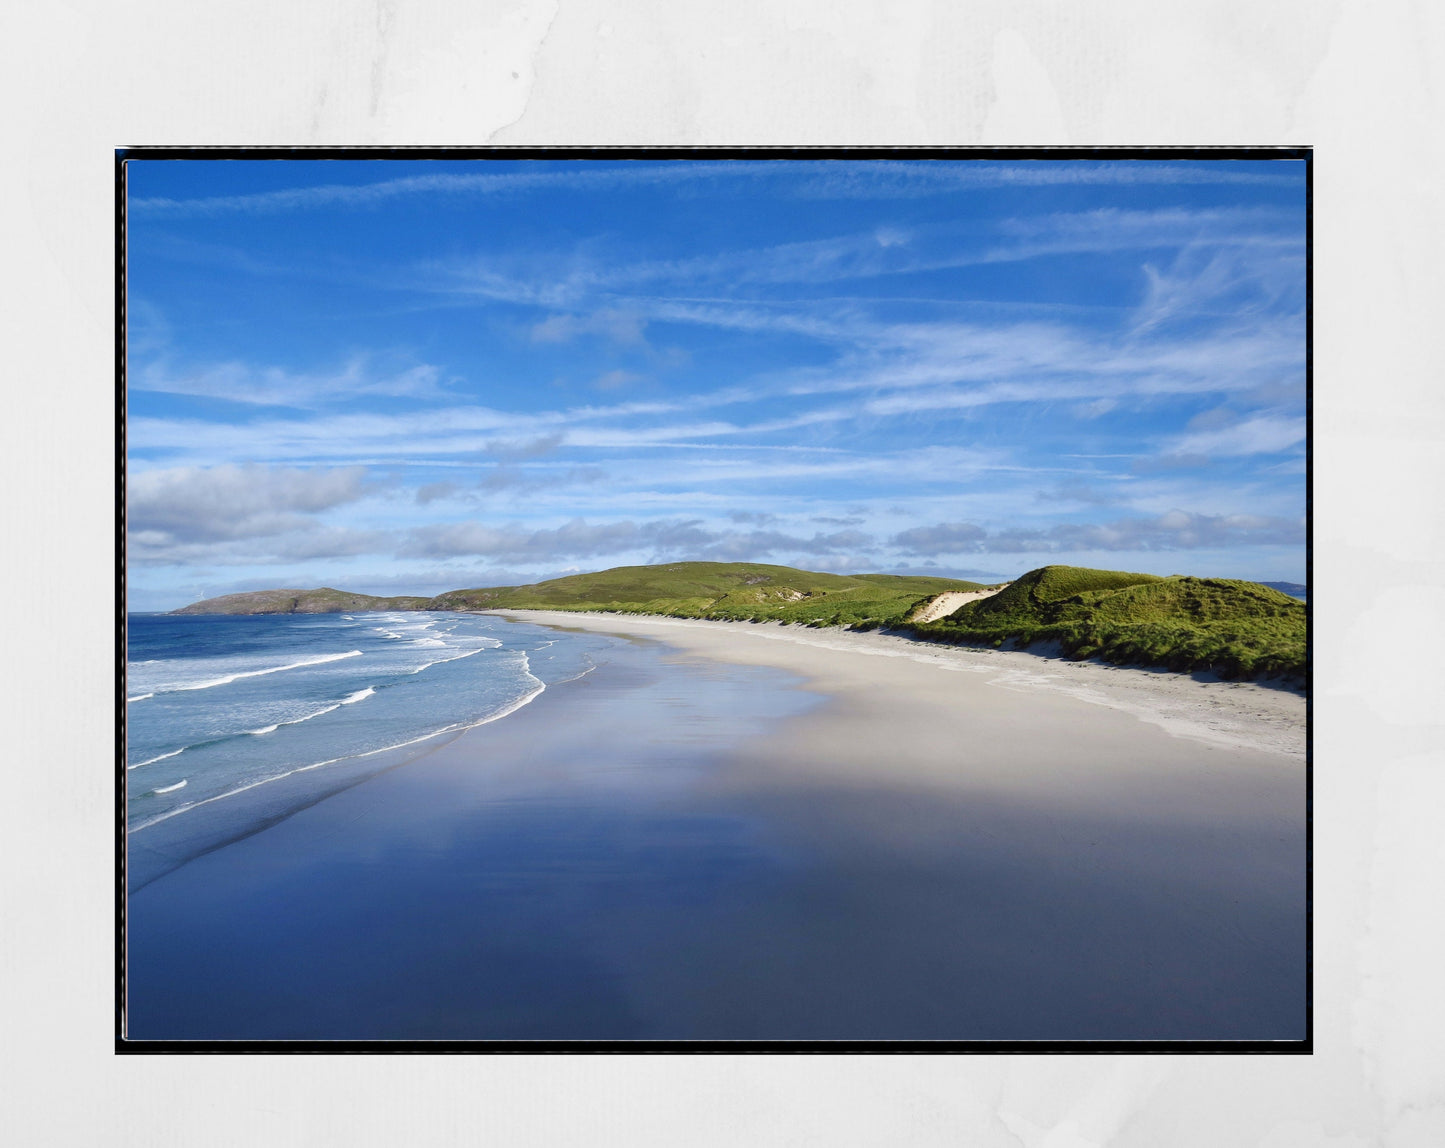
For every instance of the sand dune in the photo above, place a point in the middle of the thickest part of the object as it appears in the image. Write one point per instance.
(946, 603)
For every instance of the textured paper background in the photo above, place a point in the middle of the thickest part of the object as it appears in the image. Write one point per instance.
(1362, 82)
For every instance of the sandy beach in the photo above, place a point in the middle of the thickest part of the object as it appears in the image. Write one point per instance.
(756, 832)
(1200, 707)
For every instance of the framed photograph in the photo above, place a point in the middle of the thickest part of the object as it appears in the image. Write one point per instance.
(714, 600)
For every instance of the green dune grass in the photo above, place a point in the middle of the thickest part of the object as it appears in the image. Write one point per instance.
(1238, 629)
(733, 591)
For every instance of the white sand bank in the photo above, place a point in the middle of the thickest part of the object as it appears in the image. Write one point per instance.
(948, 602)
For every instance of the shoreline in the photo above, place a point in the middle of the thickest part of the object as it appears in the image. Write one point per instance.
(1198, 706)
(454, 895)
(734, 832)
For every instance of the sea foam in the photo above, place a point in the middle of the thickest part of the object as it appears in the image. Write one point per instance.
(162, 757)
(457, 727)
(319, 660)
(235, 738)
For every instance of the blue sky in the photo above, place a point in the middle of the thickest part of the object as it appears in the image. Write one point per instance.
(413, 376)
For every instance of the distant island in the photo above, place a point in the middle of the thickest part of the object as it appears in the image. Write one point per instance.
(322, 601)
(1238, 629)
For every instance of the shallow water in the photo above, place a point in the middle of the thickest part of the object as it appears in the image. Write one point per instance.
(477, 891)
(235, 722)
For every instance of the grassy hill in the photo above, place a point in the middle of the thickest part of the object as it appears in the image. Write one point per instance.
(1239, 629)
(737, 591)
(322, 601)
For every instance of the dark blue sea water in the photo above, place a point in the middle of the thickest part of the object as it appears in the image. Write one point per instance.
(233, 722)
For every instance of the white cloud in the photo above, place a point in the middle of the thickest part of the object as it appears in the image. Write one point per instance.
(944, 538)
(625, 328)
(576, 539)
(275, 386)
(888, 250)
(196, 504)
(674, 539)
(304, 541)
(612, 380)
(515, 450)
(1173, 530)
(1266, 434)
(1209, 279)
(1095, 409)
(434, 491)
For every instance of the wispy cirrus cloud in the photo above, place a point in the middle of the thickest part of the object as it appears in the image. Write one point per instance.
(1207, 280)
(360, 377)
(904, 180)
(903, 371)
(882, 251)
(805, 179)
(1266, 434)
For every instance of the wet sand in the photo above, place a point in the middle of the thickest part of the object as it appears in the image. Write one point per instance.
(750, 835)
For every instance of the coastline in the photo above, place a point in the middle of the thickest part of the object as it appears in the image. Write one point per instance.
(718, 836)
(1197, 706)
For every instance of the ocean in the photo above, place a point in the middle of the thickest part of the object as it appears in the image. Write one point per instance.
(234, 722)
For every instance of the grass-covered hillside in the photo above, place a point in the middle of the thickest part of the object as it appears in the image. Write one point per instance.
(1238, 629)
(322, 601)
(738, 591)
